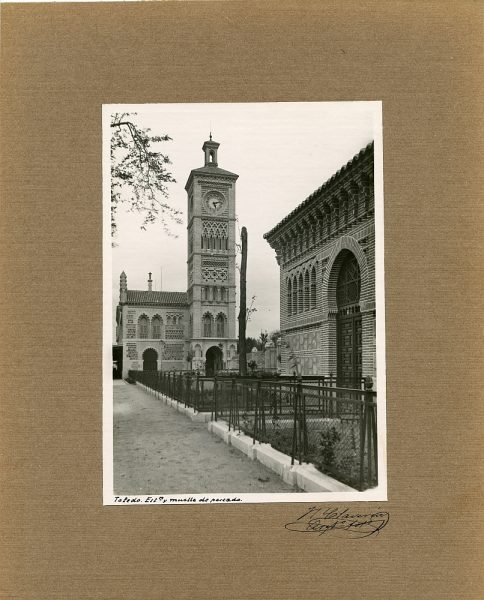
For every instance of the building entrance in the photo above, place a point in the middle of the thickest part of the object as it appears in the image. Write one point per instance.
(150, 360)
(213, 361)
(348, 324)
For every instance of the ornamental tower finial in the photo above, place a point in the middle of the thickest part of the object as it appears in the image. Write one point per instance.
(210, 149)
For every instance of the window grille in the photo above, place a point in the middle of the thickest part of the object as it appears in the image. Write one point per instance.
(220, 325)
(156, 327)
(207, 325)
(349, 283)
(300, 294)
(313, 288)
(294, 296)
(143, 326)
(306, 290)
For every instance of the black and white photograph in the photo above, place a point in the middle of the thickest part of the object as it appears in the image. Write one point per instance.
(244, 337)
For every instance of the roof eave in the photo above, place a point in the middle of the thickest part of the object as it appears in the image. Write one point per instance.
(269, 236)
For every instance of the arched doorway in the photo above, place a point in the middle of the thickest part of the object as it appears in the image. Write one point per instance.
(348, 324)
(150, 360)
(213, 361)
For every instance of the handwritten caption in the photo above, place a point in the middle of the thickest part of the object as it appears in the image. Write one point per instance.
(175, 500)
(339, 522)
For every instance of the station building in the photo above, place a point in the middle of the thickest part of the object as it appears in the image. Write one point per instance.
(325, 249)
(196, 328)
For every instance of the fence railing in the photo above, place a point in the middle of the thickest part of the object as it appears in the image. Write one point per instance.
(332, 427)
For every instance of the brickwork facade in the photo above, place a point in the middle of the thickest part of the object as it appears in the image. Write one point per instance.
(194, 329)
(326, 252)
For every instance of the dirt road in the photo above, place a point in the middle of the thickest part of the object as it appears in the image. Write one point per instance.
(157, 450)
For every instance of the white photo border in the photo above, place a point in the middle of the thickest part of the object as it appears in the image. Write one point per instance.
(377, 494)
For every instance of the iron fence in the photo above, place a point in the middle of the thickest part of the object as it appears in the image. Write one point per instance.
(332, 427)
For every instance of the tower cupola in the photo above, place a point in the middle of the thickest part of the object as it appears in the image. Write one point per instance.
(210, 149)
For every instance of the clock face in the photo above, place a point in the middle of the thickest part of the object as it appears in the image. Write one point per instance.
(214, 201)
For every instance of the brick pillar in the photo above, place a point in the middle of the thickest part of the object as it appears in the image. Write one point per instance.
(368, 343)
(328, 345)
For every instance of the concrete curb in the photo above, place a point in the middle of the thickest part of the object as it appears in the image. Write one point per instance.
(305, 476)
(201, 417)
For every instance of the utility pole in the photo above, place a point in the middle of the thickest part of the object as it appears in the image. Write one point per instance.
(243, 304)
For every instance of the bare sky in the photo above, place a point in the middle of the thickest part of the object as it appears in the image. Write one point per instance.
(282, 152)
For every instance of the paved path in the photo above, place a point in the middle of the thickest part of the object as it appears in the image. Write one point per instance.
(157, 450)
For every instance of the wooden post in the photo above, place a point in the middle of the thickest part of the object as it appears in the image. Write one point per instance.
(243, 305)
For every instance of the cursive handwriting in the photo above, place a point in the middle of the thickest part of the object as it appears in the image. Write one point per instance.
(339, 522)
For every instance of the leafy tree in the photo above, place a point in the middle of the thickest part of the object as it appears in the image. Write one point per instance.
(139, 174)
(250, 344)
(275, 336)
(263, 339)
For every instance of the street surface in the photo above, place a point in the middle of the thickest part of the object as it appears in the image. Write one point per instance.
(157, 450)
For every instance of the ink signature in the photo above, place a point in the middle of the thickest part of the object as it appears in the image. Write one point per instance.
(339, 522)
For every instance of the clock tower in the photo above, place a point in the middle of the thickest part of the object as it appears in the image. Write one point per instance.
(211, 263)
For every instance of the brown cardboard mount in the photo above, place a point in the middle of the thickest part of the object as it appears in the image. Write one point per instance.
(60, 63)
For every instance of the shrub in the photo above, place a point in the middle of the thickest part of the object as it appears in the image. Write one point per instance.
(327, 445)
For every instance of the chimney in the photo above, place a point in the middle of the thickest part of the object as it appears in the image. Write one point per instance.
(123, 288)
(150, 283)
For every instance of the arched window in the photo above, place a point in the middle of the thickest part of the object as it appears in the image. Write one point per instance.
(207, 325)
(143, 327)
(348, 287)
(289, 297)
(306, 290)
(354, 193)
(336, 216)
(313, 288)
(365, 182)
(294, 296)
(156, 323)
(220, 325)
(300, 292)
(215, 293)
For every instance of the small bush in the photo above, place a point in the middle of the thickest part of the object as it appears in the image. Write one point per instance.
(327, 445)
